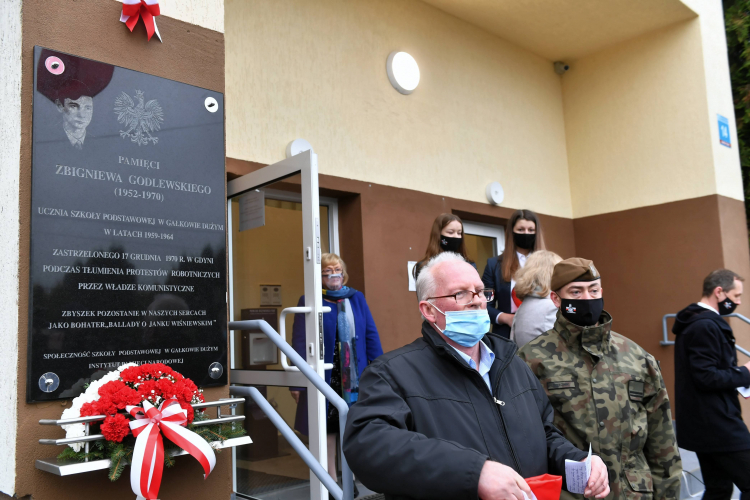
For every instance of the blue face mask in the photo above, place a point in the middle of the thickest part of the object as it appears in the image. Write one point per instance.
(465, 328)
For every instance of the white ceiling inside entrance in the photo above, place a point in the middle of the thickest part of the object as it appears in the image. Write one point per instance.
(566, 29)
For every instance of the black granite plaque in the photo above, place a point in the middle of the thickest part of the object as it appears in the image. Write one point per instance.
(128, 248)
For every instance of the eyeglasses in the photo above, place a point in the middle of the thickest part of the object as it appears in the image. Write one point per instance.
(466, 297)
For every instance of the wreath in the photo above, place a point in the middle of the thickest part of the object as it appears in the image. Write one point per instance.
(142, 402)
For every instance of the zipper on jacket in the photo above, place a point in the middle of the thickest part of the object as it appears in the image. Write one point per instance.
(498, 404)
(495, 401)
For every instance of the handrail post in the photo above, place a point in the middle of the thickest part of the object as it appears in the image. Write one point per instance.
(665, 335)
(319, 383)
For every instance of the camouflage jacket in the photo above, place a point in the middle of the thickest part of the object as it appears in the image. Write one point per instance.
(608, 391)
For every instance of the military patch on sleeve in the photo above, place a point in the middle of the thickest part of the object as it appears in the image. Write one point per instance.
(551, 386)
(635, 390)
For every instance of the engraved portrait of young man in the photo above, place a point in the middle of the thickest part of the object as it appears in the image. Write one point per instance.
(71, 84)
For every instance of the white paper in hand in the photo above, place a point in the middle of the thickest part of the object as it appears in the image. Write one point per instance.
(744, 391)
(577, 474)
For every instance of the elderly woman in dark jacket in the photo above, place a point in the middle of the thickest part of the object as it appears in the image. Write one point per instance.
(350, 342)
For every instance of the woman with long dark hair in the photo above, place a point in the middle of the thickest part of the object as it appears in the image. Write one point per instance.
(446, 235)
(523, 235)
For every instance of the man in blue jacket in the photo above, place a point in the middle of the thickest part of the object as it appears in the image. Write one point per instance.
(456, 414)
(709, 417)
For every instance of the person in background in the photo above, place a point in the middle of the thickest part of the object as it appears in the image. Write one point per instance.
(523, 235)
(350, 342)
(537, 312)
(709, 417)
(608, 393)
(446, 235)
(455, 414)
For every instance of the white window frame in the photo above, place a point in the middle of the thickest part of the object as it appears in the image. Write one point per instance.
(488, 230)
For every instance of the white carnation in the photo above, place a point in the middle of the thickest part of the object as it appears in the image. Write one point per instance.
(90, 395)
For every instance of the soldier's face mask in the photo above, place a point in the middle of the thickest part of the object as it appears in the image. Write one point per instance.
(582, 312)
(727, 306)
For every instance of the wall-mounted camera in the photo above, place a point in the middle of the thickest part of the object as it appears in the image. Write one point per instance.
(561, 67)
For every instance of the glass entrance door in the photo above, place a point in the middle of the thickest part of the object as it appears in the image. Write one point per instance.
(278, 232)
(483, 241)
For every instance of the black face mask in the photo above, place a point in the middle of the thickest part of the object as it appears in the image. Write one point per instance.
(582, 312)
(524, 240)
(450, 244)
(726, 306)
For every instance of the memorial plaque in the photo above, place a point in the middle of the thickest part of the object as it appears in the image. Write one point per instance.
(128, 248)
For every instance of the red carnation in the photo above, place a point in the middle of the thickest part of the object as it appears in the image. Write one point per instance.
(147, 389)
(115, 427)
(131, 374)
(88, 410)
(190, 385)
(190, 411)
(111, 388)
(156, 370)
(165, 387)
(124, 397)
(105, 406)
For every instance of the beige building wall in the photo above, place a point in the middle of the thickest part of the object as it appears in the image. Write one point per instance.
(484, 111)
(636, 123)
(641, 119)
(726, 161)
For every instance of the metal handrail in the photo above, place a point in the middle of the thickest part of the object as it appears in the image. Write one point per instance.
(665, 340)
(282, 332)
(347, 477)
(87, 421)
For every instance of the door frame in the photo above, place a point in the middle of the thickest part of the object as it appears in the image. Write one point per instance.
(304, 164)
(488, 230)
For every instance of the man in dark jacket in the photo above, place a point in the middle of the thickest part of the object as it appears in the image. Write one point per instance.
(709, 418)
(455, 414)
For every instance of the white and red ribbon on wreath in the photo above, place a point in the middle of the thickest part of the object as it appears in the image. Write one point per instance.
(145, 9)
(148, 456)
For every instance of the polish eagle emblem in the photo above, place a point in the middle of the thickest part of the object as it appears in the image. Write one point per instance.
(140, 120)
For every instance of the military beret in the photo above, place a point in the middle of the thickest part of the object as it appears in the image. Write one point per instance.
(60, 76)
(574, 269)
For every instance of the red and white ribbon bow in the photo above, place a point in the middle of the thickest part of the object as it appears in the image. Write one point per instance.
(148, 456)
(147, 9)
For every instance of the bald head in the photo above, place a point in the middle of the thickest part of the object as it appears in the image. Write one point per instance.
(453, 276)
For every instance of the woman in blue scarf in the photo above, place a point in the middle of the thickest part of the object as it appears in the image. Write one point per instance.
(350, 341)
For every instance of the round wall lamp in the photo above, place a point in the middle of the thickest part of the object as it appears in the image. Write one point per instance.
(495, 193)
(403, 72)
(297, 146)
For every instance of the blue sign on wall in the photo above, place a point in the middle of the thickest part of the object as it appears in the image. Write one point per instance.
(724, 132)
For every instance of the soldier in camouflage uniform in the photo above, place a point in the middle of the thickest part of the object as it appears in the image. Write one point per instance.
(605, 389)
